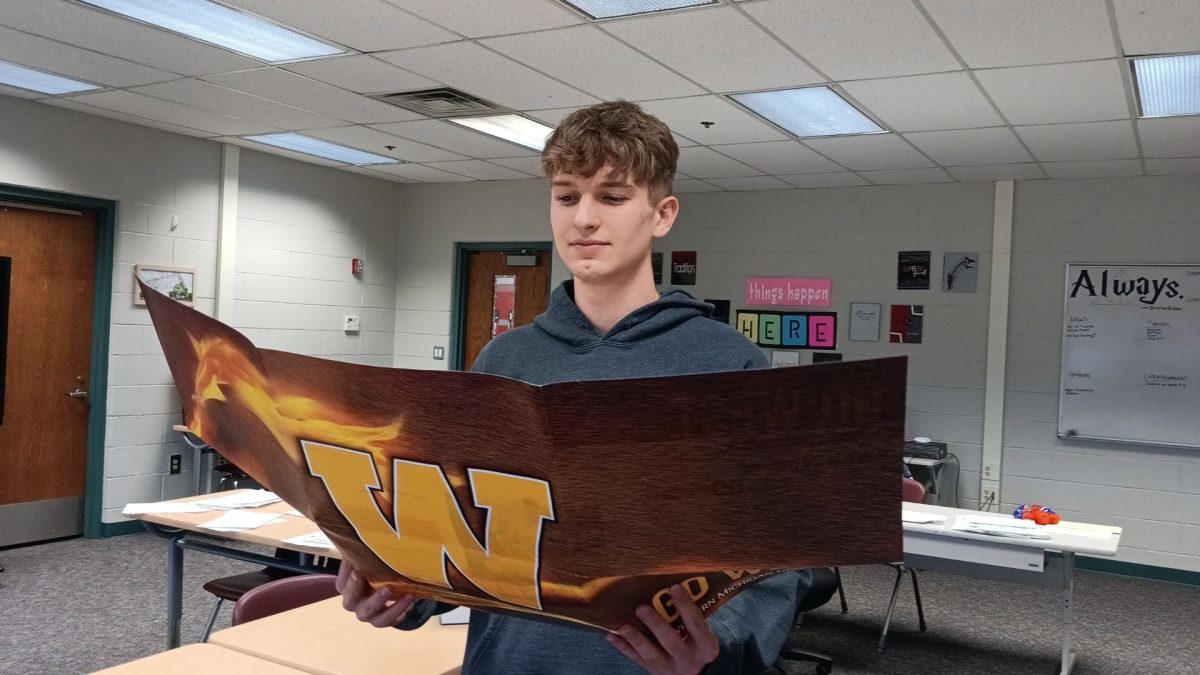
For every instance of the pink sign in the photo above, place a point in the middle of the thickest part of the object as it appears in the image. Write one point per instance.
(789, 292)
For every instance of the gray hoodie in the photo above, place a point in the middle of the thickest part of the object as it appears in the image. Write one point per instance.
(673, 336)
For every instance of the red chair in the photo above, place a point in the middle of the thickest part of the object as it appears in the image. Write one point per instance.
(911, 491)
(283, 594)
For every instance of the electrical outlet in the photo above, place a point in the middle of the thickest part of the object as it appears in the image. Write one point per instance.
(176, 463)
(991, 472)
(987, 500)
(439, 353)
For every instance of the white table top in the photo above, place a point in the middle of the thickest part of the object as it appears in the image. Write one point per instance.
(1065, 537)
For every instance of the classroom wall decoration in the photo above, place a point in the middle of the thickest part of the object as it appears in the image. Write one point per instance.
(656, 262)
(960, 272)
(788, 292)
(864, 321)
(504, 513)
(683, 268)
(907, 324)
(790, 330)
(912, 270)
(720, 310)
(784, 358)
(827, 357)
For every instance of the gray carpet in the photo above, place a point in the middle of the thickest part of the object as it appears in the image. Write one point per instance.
(80, 605)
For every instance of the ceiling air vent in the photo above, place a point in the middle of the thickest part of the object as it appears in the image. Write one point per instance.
(442, 102)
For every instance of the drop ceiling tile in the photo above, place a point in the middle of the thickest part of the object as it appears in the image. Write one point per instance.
(873, 152)
(999, 33)
(826, 180)
(480, 170)
(1158, 26)
(570, 54)
(724, 51)
(1089, 140)
(925, 102)
(272, 150)
(1173, 167)
(1067, 92)
(995, 145)
(362, 74)
(1095, 169)
(422, 173)
(702, 162)
(687, 186)
(480, 18)
(112, 114)
(555, 117)
(207, 96)
(106, 33)
(173, 113)
(302, 92)
(857, 39)
(379, 175)
(732, 124)
(779, 157)
(80, 64)
(1170, 136)
(364, 25)
(482, 72)
(751, 183)
(455, 138)
(972, 174)
(529, 165)
(368, 139)
(907, 176)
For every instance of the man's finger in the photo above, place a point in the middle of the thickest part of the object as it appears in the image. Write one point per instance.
(343, 576)
(353, 591)
(373, 603)
(630, 653)
(704, 643)
(393, 615)
(652, 656)
(667, 638)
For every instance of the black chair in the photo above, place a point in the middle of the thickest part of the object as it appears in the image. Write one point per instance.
(825, 582)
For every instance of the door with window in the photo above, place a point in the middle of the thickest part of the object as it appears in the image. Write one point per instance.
(47, 348)
(504, 290)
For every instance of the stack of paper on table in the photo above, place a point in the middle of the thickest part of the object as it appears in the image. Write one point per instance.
(312, 540)
(999, 526)
(921, 517)
(140, 508)
(235, 520)
(242, 500)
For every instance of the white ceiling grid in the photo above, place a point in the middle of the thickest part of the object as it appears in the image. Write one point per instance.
(967, 91)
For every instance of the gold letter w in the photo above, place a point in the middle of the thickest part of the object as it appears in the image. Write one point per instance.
(430, 526)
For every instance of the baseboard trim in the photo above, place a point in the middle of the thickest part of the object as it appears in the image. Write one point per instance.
(124, 527)
(1138, 570)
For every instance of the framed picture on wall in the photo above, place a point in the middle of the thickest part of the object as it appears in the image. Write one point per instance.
(177, 283)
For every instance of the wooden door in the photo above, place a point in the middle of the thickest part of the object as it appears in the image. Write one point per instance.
(43, 435)
(501, 296)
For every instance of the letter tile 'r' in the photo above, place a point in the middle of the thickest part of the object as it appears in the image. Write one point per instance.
(431, 528)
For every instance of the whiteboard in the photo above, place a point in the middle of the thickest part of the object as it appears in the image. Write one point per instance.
(1131, 354)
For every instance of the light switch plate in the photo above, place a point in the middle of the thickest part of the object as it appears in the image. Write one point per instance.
(351, 324)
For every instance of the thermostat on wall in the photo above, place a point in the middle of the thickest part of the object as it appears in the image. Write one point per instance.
(351, 324)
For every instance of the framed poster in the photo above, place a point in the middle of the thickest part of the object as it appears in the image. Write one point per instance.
(907, 324)
(912, 271)
(960, 272)
(683, 268)
(177, 283)
(864, 321)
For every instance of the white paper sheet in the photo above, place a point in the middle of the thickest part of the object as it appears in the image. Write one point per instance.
(998, 526)
(244, 500)
(921, 517)
(239, 521)
(139, 508)
(312, 539)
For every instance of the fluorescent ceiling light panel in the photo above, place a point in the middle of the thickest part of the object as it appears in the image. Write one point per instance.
(221, 26)
(315, 146)
(809, 111)
(35, 80)
(1168, 85)
(607, 9)
(512, 128)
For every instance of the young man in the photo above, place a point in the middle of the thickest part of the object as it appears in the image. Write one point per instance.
(611, 168)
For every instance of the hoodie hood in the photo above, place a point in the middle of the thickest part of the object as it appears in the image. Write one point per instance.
(563, 320)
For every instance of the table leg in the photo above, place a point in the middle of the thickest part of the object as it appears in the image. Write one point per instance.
(174, 591)
(1068, 658)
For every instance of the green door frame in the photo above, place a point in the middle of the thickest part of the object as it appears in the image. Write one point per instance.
(106, 220)
(458, 294)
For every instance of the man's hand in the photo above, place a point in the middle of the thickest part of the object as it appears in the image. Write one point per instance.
(672, 655)
(377, 608)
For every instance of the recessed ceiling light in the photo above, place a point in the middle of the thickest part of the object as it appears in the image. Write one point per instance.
(221, 26)
(315, 146)
(607, 9)
(809, 111)
(35, 80)
(1168, 85)
(512, 128)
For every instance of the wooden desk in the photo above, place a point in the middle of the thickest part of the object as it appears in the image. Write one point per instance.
(1047, 563)
(182, 531)
(325, 639)
(202, 658)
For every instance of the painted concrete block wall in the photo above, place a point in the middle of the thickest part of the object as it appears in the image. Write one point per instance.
(1153, 492)
(851, 235)
(299, 226)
